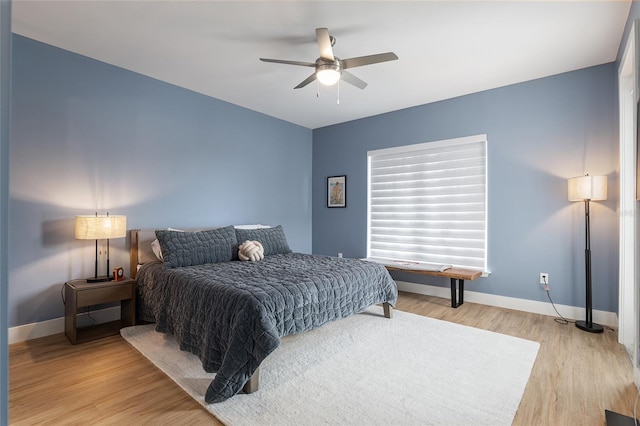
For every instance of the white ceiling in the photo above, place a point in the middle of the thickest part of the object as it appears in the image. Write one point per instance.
(445, 48)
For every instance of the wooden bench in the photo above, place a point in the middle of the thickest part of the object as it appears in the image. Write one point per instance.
(457, 275)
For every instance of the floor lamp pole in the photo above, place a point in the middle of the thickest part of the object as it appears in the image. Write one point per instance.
(588, 324)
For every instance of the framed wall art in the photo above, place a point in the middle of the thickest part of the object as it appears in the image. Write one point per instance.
(337, 191)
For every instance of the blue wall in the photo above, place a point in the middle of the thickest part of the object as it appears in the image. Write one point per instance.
(539, 134)
(88, 136)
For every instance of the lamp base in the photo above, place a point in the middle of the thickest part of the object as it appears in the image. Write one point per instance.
(99, 279)
(591, 328)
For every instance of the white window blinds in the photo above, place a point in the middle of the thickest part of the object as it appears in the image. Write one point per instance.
(428, 203)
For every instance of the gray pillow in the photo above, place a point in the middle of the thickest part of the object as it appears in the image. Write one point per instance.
(197, 248)
(272, 239)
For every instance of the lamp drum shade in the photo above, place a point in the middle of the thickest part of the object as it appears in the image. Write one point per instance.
(587, 188)
(92, 227)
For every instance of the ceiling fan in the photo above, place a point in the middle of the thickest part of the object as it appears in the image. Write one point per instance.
(330, 68)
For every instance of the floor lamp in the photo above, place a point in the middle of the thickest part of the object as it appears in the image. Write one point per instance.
(588, 188)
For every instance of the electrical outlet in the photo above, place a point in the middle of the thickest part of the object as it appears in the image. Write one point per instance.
(544, 278)
(339, 254)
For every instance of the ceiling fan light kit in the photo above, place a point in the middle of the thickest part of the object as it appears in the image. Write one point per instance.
(328, 74)
(330, 69)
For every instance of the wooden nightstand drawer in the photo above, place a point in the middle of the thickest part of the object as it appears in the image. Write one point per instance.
(98, 295)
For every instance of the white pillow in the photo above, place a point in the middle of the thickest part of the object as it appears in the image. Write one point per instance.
(155, 245)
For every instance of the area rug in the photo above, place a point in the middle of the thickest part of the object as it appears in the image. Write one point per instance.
(367, 370)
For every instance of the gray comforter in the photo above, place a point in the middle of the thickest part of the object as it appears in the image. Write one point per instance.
(232, 314)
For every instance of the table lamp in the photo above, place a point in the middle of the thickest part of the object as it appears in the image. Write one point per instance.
(100, 227)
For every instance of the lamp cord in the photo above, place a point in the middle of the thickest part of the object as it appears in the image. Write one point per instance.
(560, 319)
(87, 309)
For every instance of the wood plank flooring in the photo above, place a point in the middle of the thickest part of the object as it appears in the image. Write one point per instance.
(577, 375)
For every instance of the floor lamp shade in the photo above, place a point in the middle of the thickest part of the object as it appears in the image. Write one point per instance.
(588, 188)
(100, 227)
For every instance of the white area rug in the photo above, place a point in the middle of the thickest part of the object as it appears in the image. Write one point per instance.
(367, 370)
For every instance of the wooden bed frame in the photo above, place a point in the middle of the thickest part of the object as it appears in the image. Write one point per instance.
(140, 236)
(133, 253)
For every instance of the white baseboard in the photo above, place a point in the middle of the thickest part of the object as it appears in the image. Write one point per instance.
(609, 319)
(56, 325)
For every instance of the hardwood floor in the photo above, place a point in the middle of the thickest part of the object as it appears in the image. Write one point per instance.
(577, 375)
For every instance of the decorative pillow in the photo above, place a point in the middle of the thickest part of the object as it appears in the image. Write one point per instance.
(251, 250)
(197, 248)
(155, 245)
(272, 239)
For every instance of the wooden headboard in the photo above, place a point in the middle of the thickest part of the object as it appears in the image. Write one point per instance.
(140, 248)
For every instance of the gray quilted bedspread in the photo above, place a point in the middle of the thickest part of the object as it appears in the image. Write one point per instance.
(232, 314)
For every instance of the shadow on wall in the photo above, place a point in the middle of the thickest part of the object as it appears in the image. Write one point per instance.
(58, 232)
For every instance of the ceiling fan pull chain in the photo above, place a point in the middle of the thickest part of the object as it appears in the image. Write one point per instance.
(317, 89)
(338, 102)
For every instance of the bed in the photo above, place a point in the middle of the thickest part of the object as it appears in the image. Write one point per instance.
(232, 313)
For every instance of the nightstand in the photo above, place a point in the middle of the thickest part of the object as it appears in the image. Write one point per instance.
(79, 294)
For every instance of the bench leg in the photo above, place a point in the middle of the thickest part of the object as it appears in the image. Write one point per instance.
(388, 310)
(252, 385)
(457, 297)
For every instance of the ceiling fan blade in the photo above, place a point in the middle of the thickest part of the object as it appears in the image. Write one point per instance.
(352, 79)
(324, 43)
(282, 61)
(368, 60)
(306, 81)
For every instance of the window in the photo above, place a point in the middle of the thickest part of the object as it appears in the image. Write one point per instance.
(427, 203)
